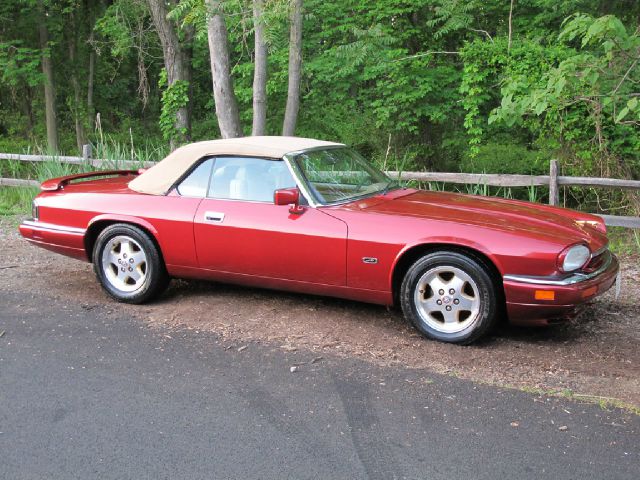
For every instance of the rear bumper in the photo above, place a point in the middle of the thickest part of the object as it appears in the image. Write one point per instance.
(61, 239)
(569, 294)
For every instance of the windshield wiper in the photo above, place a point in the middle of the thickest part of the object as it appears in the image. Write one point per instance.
(390, 186)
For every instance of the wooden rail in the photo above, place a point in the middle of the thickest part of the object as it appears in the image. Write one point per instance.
(18, 182)
(95, 162)
(506, 180)
(553, 180)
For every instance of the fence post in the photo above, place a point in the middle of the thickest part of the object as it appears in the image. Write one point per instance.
(86, 152)
(554, 196)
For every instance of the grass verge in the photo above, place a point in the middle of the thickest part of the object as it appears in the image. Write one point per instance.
(16, 200)
(604, 402)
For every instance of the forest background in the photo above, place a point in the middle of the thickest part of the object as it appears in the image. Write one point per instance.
(496, 86)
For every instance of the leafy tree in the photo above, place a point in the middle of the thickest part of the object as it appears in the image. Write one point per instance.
(587, 98)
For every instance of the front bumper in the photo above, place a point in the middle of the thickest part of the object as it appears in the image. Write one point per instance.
(569, 293)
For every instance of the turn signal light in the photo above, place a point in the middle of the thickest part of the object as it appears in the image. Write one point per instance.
(545, 295)
(590, 291)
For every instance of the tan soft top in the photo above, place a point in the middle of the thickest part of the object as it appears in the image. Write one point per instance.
(158, 179)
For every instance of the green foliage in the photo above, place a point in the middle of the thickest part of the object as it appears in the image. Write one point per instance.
(412, 84)
(191, 12)
(452, 16)
(16, 200)
(489, 63)
(505, 158)
(19, 64)
(174, 97)
(482, 61)
(624, 241)
(585, 98)
(118, 25)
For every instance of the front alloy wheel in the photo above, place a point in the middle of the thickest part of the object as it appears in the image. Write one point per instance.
(449, 297)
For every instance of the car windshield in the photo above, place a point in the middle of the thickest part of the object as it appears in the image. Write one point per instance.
(335, 175)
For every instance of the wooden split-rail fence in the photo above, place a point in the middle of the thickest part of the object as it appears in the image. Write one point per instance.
(553, 181)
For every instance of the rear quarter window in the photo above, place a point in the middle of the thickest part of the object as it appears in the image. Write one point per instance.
(197, 182)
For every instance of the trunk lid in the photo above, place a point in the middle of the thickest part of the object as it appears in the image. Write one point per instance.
(110, 180)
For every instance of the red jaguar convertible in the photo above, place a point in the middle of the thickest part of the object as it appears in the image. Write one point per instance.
(312, 216)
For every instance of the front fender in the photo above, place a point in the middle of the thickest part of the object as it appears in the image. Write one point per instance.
(440, 242)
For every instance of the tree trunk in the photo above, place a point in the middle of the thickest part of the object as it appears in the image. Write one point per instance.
(510, 26)
(27, 108)
(91, 75)
(295, 68)
(49, 89)
(76, 108)
(189, 36)
(260, 72)
(223, 93)
(174, 61)
(92, 61)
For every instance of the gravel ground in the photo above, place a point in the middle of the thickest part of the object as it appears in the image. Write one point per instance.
(592, 357)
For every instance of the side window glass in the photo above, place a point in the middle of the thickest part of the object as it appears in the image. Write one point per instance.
(250, 179)
(195, 185)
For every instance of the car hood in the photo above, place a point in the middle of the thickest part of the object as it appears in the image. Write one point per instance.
(508, 215)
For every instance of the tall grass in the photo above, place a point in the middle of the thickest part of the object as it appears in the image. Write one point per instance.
(114, 152)
(624, 241)
(477, 189)
(16, 200)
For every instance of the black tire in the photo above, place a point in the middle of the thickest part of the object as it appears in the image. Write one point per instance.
(111, 264)
(476, 301)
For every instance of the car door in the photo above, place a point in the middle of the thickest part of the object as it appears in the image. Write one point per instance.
(238, 228)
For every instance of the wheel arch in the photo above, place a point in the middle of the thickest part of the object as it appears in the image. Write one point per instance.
(99, 223)
(409, 255)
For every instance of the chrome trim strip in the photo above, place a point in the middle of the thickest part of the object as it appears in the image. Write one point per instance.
(570, 280)
(54, 228)
(600, 251)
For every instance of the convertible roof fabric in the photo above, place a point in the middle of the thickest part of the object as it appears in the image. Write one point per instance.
(158, 179)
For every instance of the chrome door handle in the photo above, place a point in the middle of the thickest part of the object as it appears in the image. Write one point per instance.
(214, 217)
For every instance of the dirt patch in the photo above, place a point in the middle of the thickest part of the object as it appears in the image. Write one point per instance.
(595, 354)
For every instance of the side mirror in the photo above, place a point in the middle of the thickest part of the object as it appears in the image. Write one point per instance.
(288, 196)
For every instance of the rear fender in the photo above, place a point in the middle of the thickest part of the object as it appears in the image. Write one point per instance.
(91, 233)
(116, 218)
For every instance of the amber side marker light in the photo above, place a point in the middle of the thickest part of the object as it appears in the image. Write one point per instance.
(545, 295)
(589, 292)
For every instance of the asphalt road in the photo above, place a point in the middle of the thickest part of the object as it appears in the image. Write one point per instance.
(87, 393)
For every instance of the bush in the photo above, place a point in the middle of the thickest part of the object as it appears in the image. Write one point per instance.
(506, 158)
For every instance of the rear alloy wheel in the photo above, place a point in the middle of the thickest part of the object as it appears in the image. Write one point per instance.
(128, 264)
(449, 297)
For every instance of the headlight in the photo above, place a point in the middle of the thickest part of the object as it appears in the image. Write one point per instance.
(574, 258)
(34, 210)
